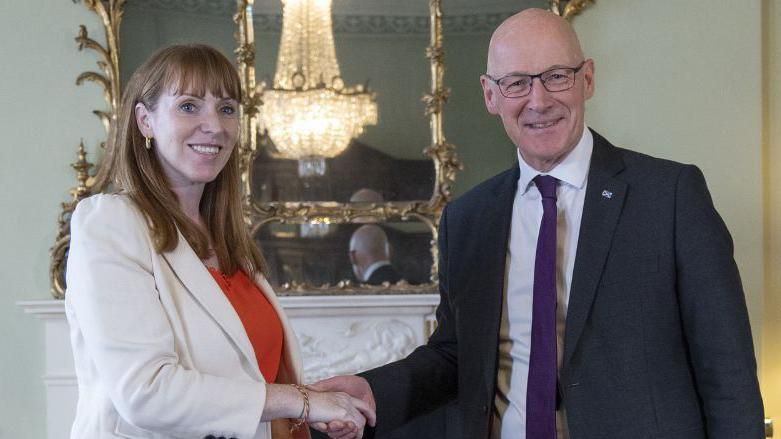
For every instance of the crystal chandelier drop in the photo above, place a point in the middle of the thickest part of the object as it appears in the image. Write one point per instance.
(309, 113)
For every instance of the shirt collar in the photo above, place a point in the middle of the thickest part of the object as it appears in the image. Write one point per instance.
(573, 170)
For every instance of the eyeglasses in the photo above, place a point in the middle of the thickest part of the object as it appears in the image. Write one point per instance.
(518, 86)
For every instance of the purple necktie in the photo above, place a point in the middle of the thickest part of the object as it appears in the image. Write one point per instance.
(541, 388)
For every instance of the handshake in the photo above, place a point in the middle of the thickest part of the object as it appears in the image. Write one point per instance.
(341, 406)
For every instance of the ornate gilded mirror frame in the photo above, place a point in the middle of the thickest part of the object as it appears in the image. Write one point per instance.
(443, 154)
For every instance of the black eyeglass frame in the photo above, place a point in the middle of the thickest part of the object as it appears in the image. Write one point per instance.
(575, 71)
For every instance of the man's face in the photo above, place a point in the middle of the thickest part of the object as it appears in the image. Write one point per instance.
(545, 126)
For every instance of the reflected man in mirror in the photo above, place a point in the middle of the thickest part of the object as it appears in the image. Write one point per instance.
(589, 291)
(370, 256)
(366, 196)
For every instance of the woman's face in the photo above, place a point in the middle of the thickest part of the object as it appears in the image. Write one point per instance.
(193, 136)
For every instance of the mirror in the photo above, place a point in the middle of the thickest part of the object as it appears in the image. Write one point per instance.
(322, 256)
(398, 169)
(379, 43)
(150, 25)
(397, 173)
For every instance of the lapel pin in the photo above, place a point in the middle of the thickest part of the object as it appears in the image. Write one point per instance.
(607, 194)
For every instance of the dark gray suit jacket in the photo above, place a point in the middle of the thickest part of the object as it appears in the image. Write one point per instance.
(386, 273)
(657, 343)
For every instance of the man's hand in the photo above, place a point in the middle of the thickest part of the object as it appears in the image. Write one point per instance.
(354, 386)
(339, 407)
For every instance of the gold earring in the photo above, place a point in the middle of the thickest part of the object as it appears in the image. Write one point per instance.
(148, 142)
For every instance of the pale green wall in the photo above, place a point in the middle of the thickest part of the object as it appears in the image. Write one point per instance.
(683, 80)
(679, 80)
(43, 116)
(675, 79)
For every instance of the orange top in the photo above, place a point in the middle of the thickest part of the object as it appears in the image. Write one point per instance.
(259, 318)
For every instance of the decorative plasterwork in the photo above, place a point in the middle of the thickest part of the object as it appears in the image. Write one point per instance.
(403, 25)
(463, 17)
(343, 7)
(361, 346)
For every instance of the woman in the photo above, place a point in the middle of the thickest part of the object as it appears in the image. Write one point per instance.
(175, 331)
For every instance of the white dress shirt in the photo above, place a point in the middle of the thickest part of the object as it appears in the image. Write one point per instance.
(515, 336)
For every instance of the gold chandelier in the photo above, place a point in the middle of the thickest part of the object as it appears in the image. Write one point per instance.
(309, 113)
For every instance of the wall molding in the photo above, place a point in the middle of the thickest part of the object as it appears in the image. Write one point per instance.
(368, 24)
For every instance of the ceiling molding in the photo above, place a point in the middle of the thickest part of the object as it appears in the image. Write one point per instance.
(413, 19)
(418, 8)
(394, 25)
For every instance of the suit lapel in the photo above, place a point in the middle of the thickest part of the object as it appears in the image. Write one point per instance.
(199, 282)
(490, 239)
(496, 234)
(602, 207)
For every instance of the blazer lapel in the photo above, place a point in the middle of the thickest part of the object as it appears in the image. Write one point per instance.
(601, 209)
(199, 282)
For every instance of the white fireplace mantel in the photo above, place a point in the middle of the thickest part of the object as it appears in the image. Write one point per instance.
(338, 335)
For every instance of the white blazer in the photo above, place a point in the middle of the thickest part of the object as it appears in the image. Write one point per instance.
(159, 350)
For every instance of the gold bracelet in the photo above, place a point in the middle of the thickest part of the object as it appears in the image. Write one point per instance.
(304, 416)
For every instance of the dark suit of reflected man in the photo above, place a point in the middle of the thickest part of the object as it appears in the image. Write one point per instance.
(383, 274)
(652, 328)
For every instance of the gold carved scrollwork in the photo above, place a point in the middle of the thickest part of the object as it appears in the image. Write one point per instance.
(571, 8)
(59, 250)
(443, 154)
(110, 13)
(245, 57)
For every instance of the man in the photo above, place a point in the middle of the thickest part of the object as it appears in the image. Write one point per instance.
(370, 256)
(366, 195)
(589, 292)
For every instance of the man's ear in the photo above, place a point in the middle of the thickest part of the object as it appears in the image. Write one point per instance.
(143, 119)
(489, 94)
(588, 77)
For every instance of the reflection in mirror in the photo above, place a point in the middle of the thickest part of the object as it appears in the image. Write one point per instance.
(359, 167)
(148, 25)
(369, 253)
(379, 43)
(308, 113)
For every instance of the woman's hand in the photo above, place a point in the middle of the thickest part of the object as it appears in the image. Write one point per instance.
(353, 385)
(327, 407)
(352, 414)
